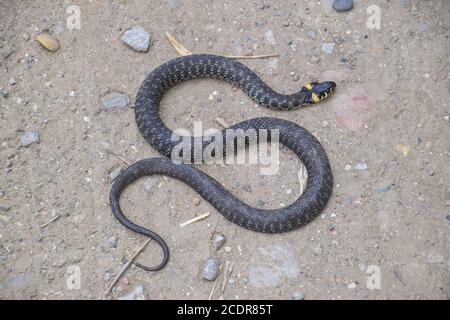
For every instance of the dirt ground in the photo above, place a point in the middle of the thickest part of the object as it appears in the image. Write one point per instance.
(385, 231)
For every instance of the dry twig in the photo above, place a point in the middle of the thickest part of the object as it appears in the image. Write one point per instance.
(182, 50)
(200, 217)
(126, 265)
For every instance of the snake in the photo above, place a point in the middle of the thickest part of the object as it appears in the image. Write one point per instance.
(308, 149)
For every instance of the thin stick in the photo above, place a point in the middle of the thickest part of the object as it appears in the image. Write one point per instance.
(222, 122)
(178, 46)
(118, 157)
(200, 217)
(50, 221)
(126, 265)
(182, 50)
(257, 56)
(225, 272)
(227, 275)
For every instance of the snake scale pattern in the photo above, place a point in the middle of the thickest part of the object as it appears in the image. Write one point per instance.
(147, 112)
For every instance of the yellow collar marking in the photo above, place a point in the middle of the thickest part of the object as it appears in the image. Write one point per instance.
(315, 97)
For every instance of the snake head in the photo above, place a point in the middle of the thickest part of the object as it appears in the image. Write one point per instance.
(318, 91)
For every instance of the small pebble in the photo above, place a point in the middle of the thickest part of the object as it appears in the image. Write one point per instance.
(29, 138)
(298, 296)
(4, 207)
(312, 35)
(26, 36)
(115, 173)
(48, 42)
(361, 166)
(352, 285)
(328, 47)
(317, 250)
(342, 5)
(112, 241)
(218, 241)
(314, 59)
(338, 40)
(196, 201)
(114, 100)
(137, 294)
(211, 269)
(137, 38)
(324, 123)
(107, 276)
(228, 249)
(150, 184)
(12, 81)
(448, 217)
(270, 37)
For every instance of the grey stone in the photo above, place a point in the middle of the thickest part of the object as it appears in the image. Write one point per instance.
(12, 81)
(115, 173)
(4, 207)
(137, 294)
(342, 5)
(29, 138)
(328, 47)
(272, 264)
(298, 296)
(314, 59)
(16, 281)
(150, 183)
(114, 100)
(112, 241)
(423, 26)
(59, 261)
(107, 276)
(338, 40)
(447, 217)
(137, 38)
(270, 37)
(218, 241)
(211, 269)
(312, 35)
(4, 93)
(361, 166)
(317, 250)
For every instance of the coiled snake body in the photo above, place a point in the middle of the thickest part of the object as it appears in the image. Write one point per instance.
(303, 144)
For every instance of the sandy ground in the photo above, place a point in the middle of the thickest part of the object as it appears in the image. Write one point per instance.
(390, 113)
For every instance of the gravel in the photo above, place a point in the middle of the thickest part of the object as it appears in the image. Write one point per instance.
(107, 276)
(361, 166)
(211, 269)
(112, 241)
(342, 5)
(4, 207)
(298, 296)
(137, 38)
(312, 35)
(314, 59)
(328, 47)
(270, 37)
(218, 241)
(29, 138)
(137, 294)
(115, 173)
(115, 100)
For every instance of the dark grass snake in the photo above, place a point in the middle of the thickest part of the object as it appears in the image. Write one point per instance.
(147, 111)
